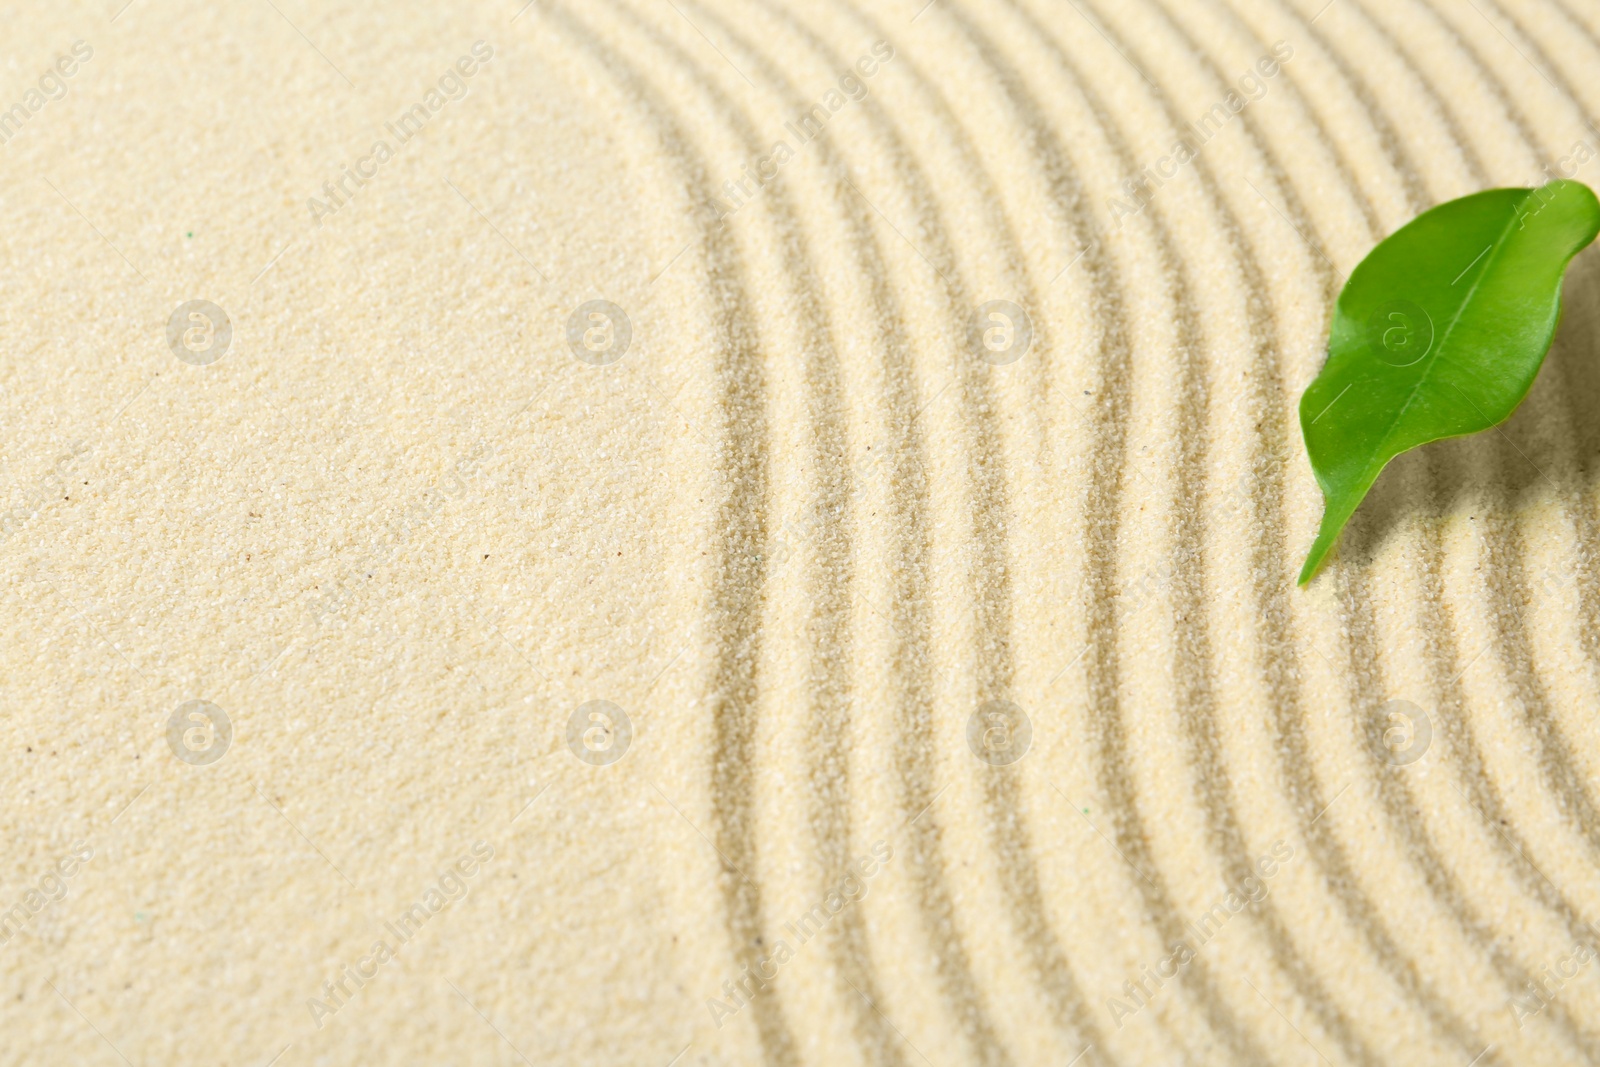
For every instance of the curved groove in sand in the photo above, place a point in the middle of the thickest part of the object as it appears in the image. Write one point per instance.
(971, 462)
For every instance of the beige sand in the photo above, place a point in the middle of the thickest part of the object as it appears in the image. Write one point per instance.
(813, 532)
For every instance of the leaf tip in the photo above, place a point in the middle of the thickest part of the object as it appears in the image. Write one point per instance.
(1327, 537)
(1309, 571)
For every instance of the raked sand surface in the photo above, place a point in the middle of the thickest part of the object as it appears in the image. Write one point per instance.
(956, 682)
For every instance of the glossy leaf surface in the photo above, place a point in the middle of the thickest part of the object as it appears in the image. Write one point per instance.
(1438, 333)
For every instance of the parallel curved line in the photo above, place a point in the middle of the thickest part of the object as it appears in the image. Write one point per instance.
(1441, 884)
(1555, 765)
(830, 707)
(991, 580)
(1300, 773)
(1458, 734)
(1201, 735)
(1332, 855)
(739, 571)
(952, 526)
(1189, 339)
(1070, 1005)
(829, 694)
(1019, 872)
(1564, 779)
(1106, 463)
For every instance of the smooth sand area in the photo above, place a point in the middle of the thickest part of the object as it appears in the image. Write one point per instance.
(716, 532)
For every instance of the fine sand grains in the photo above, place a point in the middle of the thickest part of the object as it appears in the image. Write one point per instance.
(751, 532)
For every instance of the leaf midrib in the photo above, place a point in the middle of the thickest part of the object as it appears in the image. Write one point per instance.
(1433, 358)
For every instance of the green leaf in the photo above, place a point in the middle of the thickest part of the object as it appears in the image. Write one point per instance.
(1438, 333)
